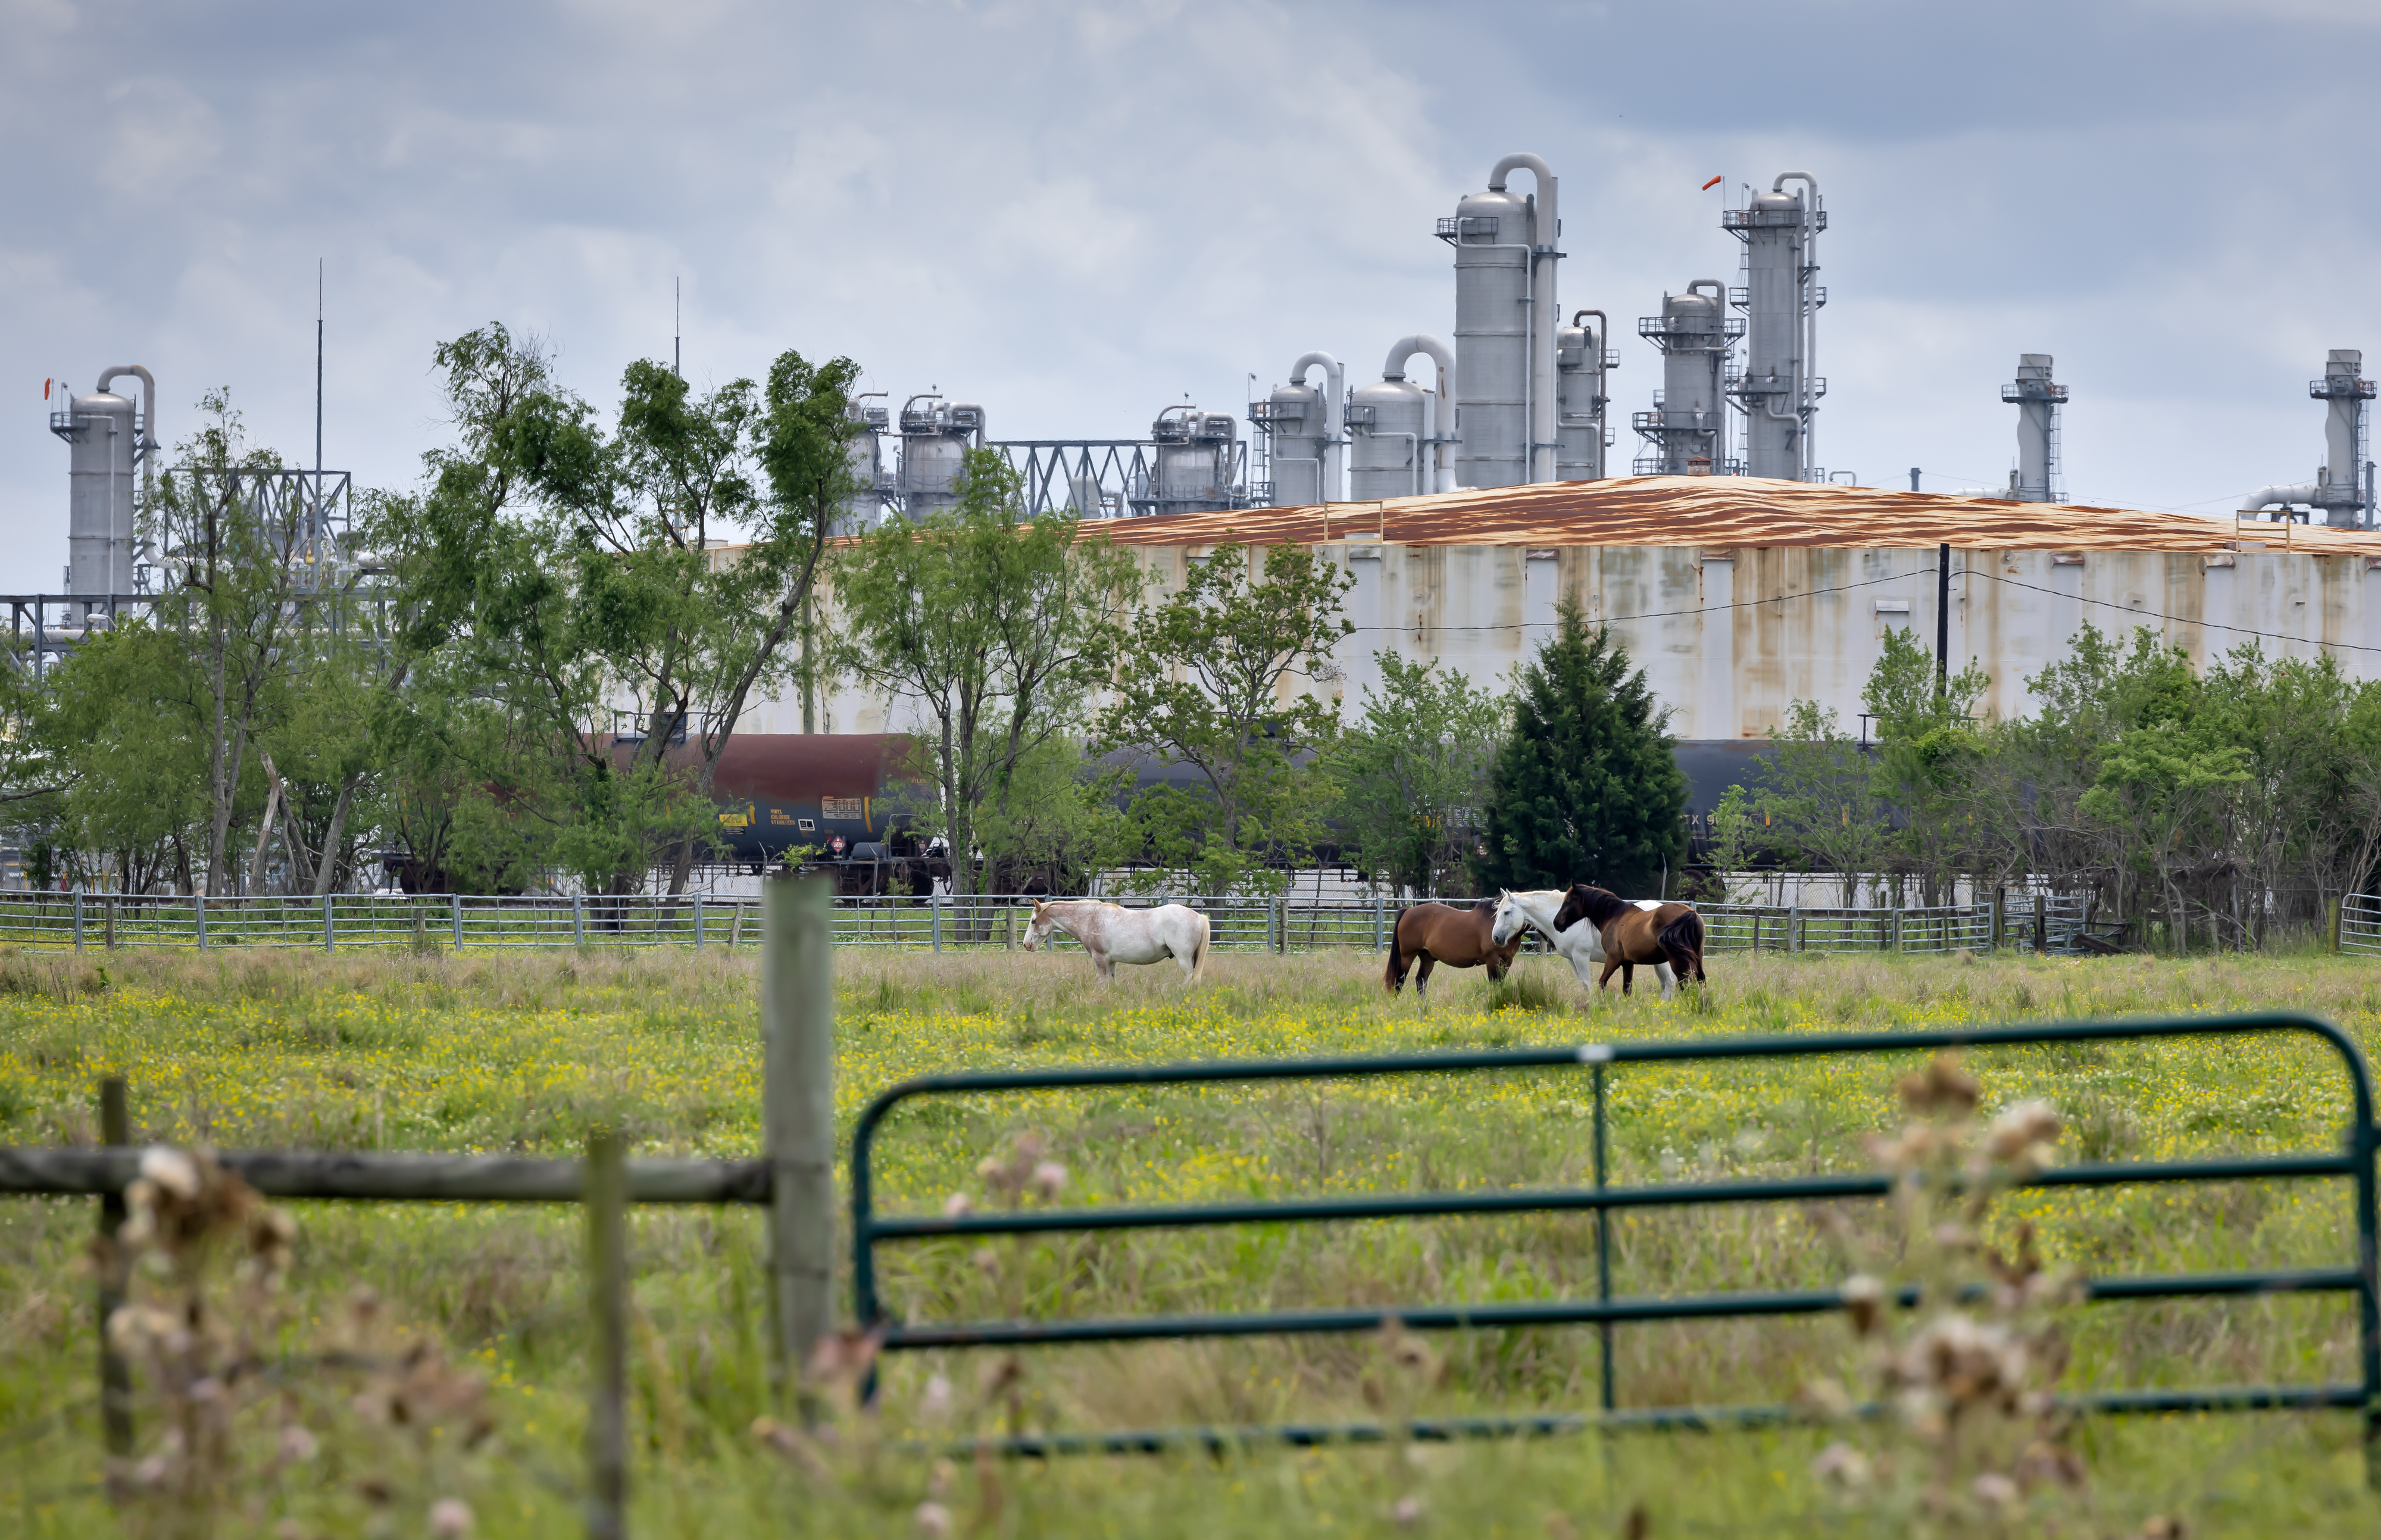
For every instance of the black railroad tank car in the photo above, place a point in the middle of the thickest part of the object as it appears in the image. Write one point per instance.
(815, 795)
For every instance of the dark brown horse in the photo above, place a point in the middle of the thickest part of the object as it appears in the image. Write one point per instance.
(1669, 932)
(1440, 932)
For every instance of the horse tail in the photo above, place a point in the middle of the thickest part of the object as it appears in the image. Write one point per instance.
(1199, 948)
(1683, 939)
(1391, 974)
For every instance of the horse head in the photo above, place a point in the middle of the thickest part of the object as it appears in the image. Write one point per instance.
(1037, 931)
(1594, 905)
(1509, 921)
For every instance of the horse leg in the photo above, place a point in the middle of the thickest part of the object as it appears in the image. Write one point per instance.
(1667, 975)
(1395, 976)
(1422, 979)
(1611, 965)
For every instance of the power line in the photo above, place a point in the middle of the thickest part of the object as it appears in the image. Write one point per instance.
(1668, 614)
(2176, 620)
(1928, 571)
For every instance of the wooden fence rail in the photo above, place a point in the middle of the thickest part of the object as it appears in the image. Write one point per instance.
(794, 1178)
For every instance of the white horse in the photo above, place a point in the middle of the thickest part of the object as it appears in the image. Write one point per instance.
(1113, 934)
(1581, 944)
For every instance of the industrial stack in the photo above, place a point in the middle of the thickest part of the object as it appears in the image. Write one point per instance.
(107, 444)
(2335, 491)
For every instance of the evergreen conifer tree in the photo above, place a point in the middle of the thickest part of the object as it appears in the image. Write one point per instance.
(1585, 788)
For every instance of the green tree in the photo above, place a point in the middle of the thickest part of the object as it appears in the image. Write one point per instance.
(1928, 751)
(2160, 788)
(1819, 792)
(1056, 823)
(649, 575)
(1410, 774)
(240, 589)
(127, 720)
(994, 625)
(1736, 833)
(1586, 788)
(1209, 681)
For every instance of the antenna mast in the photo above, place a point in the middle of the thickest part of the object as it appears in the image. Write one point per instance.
(314, 509)
(678, 340)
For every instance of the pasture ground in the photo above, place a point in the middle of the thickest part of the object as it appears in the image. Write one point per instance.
(526, 1052)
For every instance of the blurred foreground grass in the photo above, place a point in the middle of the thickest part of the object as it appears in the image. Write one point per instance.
(517, 1052)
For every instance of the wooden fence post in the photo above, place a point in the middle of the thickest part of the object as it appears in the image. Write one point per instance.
(115, 1375)
(2041, 926)
(109, 924)
(606, 1197)
(458, 922)
(2331, 922)
(797, 1114)
(330, 928)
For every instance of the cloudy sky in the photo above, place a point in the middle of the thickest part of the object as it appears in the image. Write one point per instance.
(1077, 214)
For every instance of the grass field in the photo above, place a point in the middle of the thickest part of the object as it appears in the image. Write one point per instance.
(529, 1052)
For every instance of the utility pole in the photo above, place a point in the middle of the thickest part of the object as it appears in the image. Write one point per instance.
(678, 328)
(1942, 616)
(1913, 477)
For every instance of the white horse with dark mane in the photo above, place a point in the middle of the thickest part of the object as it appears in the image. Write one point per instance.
(1113, 934)
(1581, 943)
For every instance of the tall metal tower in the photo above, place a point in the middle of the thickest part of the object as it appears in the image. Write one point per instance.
(2338, 493)
(1581, 360)
(2038, 399)
(1686, 431)
(1780, 388)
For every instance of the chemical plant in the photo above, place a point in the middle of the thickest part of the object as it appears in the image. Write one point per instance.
(1470, 488)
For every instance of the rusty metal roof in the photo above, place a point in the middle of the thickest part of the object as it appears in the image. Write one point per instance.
(1731, 511)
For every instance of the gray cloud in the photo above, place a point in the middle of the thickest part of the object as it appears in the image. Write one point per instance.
(1076, 216)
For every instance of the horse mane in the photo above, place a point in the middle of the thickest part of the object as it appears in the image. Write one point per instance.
(1596, 905)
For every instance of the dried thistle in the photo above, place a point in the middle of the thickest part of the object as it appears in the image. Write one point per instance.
(1974, 1436)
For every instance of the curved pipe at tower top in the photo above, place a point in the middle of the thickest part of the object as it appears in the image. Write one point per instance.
(148, 399)
(1421, 342)
(1332, 487)
(1545, 313)
(1719, 290)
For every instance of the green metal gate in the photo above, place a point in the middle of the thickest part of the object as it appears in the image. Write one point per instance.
(2352, 1161)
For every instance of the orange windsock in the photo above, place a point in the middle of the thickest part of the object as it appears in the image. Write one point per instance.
(1713, 183)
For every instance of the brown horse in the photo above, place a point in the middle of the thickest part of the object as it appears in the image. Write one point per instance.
(1667, 933)
(1440, 932)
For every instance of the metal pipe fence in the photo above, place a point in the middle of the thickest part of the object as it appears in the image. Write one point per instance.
(2360, 925)
(2352, 1160)
(1281, 924)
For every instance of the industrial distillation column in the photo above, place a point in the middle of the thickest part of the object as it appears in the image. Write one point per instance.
(105, 444)
(1779, 391)
(1301, 425)
(1685, 431)
(1581, 356)
(1506, 315)
(2038, 399)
